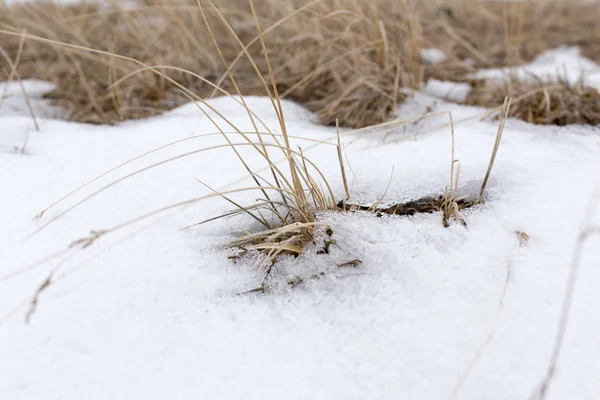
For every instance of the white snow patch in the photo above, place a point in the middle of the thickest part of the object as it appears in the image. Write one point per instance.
(14, 101)
(433, 56)
(562, 63)
(153, 313)
(448, 90)
(20, 99)
(14, 135)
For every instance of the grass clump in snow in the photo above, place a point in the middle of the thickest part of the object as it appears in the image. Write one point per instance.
(450, 204)
(540, 102)
(292, 188)
(342, 59)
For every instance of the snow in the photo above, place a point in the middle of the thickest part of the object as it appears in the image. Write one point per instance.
(562, 63)
(433, 56)
(153, 311)
(13, 103)
(449, 90)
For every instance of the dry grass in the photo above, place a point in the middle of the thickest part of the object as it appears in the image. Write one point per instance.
(508, 33)
(338, 58)
(296, 189)
(292, 194)
(343, 59)
(540, 102)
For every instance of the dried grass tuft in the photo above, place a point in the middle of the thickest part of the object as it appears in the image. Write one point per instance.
(343, 59)
(541, 102)
(291, 196)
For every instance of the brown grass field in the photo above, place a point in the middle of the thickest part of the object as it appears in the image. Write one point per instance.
(343, 59)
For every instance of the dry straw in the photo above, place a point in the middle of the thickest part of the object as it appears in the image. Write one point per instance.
(343, 59)
(542, 102)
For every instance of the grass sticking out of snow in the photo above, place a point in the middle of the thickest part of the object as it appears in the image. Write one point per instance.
(423, 300)
(291, 199)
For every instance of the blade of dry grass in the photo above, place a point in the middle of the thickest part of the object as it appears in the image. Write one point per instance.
(341, 160)
(504, 117)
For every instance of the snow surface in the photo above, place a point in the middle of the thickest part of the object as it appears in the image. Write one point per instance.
(433, 56)
(448, 90)
(563, 63)
(153, 313)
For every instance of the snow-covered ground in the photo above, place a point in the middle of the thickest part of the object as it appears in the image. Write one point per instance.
(152, 311)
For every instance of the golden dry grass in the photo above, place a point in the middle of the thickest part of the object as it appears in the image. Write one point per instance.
(323, 55)
(343, 59)
(541, 102)
(508, 33)
(294, 192)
